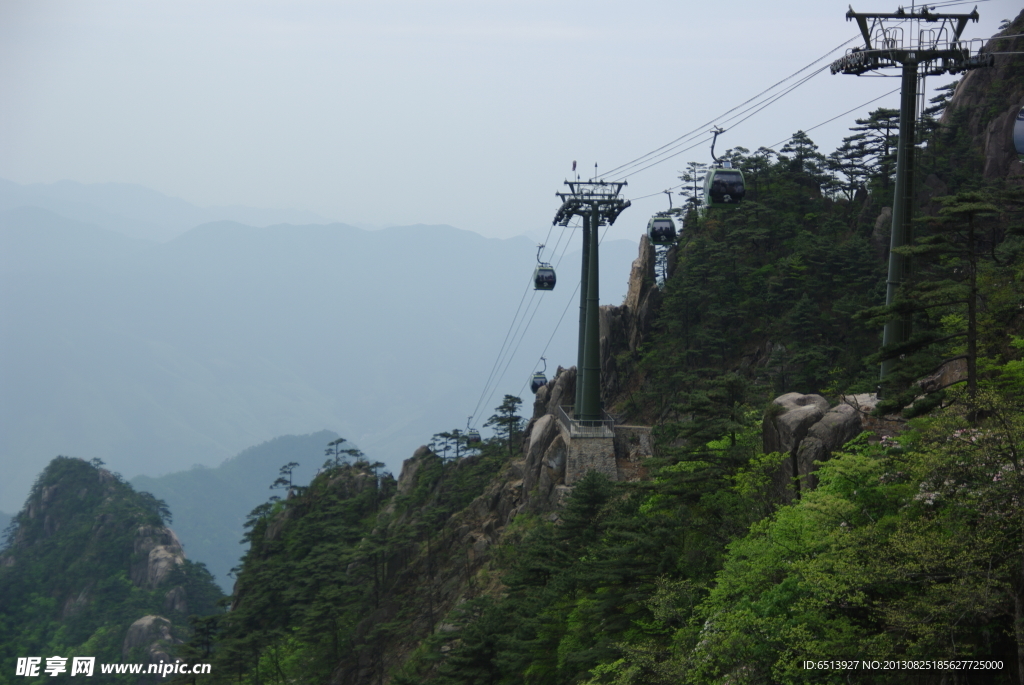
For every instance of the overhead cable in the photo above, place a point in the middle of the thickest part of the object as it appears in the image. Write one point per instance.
(643, 158)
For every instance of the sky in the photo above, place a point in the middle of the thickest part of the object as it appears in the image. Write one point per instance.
(397, 112)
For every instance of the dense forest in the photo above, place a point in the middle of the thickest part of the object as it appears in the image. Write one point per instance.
(909, 547)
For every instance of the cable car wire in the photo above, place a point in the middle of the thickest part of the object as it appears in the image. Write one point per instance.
(643, 158)
(501, 351)
(513, 330)
(759, 107)
(515, 349)
(781, 142)
(564, 311)
(839, 116)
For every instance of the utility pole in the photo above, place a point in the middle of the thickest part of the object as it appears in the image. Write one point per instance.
(598, 204)
(917, 51)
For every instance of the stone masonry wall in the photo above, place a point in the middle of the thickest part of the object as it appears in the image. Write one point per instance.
(632, 446)
(590, 454)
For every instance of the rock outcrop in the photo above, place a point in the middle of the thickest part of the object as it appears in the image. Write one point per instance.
(998, 89)
(559, 391)
(626, 327)
(176, 599)
(91, 530)
(623, 329)
(152, 634)
(157, 552)
(806, 429)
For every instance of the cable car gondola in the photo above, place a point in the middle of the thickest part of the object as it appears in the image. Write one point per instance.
(539, 380)
(544, 277)
(544, 274)
(1018, 133)
(661, 229)
(723, 185)
(472, 434)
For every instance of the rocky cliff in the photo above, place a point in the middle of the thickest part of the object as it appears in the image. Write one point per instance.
(626, 327)
(986, 102)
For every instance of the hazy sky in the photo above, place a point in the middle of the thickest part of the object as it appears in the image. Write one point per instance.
(398, 112)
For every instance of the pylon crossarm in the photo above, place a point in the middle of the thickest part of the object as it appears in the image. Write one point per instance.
(884, 47)
(607, 212)
(586, 196)
(932, 62)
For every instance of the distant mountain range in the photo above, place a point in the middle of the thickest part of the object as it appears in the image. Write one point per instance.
(136, 211)
(157, 356)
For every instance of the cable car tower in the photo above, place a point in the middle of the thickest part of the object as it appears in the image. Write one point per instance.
(931, 51)
(598, 204)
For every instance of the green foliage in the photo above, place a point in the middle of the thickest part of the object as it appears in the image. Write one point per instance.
(762, 302)
(708, 571)
(66, 577)
(961, 299)
(328, 565)
(703, 573)
(907, 551)
(210, 504)
(507, 422)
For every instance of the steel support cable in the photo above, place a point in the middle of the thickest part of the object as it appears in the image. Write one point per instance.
(760, 106)
(951, 3)
(505, 344)
(806, 130)
(512, 357)
(839, 116)
(515, 350)
(757, 108)
(641, 159)
(497, 361)
(564, 311)
(557, 243)
(699, 130)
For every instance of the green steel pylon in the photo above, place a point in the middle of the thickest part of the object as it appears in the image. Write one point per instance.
(598, 204)
(929, 51)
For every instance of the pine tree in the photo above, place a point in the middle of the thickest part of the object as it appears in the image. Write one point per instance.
(876, 137)
(507, 423)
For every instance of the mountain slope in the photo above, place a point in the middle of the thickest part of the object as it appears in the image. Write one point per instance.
(210, 504)
(89, 558)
